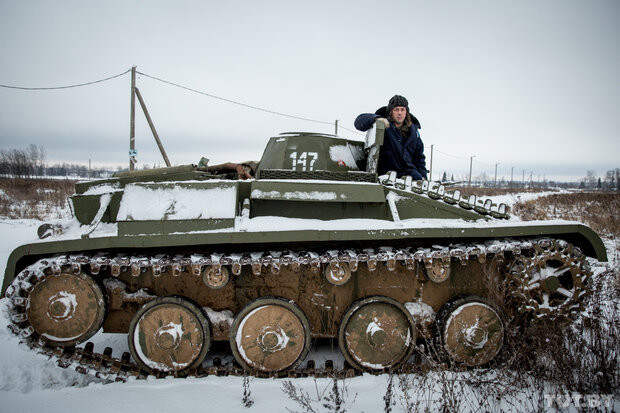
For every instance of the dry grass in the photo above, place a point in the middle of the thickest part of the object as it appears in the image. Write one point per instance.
(581, 357)
(35, 198)
(599, 210)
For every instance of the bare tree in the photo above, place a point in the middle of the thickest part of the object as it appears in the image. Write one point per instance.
(590, 179)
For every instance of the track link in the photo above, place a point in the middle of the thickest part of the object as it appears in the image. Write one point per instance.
(107, 367)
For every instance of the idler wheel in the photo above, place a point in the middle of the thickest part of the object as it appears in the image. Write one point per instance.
(552, 282)
(66, 309)
(376, 333)
(270, 335)
(169, 334)
(471, 331)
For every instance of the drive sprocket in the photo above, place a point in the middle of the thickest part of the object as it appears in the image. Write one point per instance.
(551, 282)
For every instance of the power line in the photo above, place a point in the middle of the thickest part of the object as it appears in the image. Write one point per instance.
(352, 130)
(448, 154)
(68, 86)
(234, 101)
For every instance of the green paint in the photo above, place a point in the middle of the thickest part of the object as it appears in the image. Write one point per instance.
(356, 194)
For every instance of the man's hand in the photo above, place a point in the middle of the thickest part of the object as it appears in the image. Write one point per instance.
(243, 171)
(384, 121)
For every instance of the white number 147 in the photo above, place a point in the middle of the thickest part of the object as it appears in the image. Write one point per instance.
(305, 159)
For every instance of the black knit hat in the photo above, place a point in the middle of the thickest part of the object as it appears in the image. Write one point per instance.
(397, 100)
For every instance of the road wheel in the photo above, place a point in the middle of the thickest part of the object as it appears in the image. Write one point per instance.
(66, 309)
(376, 333)
(470, 331)
(270, 335)
(169, 334)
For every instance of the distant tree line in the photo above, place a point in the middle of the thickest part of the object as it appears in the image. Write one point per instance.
(23, 162)
(30, 162)
(610, 182)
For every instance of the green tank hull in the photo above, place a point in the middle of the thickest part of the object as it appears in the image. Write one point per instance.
(317, 245)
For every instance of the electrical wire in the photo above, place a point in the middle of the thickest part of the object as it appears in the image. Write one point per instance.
(179, 86)
(449, 154)
(234, 101)
(352, 130)
(68, 86)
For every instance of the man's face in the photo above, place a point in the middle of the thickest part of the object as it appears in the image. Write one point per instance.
(398, 114)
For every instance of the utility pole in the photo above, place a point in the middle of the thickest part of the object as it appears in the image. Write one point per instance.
(512, 169)
(523, 178)
(336, 127)
(132, 121)
(430, 178)
(471, 162)
(89, 168)
(495, 179)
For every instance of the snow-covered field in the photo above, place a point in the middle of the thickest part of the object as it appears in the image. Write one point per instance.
(511, 199)
(32, 383)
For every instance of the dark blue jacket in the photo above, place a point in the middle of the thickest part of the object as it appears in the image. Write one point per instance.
(405, 156)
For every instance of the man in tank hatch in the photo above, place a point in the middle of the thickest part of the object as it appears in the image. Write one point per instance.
(402, 150)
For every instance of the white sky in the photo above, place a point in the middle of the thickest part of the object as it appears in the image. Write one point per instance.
(529, 84)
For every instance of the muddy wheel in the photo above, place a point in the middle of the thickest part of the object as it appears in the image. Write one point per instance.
(66, 309)
(169, 334)
(552, 283)
(376, 333)
(470, 331)
(270, 335)
(337, 275)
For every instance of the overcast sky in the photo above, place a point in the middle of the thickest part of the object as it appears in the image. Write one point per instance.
(529, 84)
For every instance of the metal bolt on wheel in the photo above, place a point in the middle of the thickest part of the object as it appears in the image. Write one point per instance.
(376, 333)
(169, 334)
(270, 335)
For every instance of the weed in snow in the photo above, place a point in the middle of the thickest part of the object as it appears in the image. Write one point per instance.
(338, 400)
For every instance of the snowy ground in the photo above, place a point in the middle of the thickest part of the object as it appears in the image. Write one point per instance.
(32, 383)
(511, 199)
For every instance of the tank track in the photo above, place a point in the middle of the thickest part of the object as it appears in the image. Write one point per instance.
(105, 366)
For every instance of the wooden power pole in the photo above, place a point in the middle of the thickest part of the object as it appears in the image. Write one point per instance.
(132, 124)
(132, 121)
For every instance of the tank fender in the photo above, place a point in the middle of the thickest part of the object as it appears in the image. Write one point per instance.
(575, 233)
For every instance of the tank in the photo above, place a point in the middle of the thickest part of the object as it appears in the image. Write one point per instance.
(315, 246)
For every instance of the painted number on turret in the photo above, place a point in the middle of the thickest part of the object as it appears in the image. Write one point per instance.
(305, 161)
